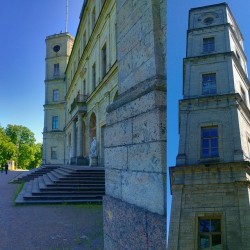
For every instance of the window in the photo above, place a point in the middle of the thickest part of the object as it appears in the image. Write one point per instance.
(55, 95)
(56, 69)
(208, 45)
(54, 153)
(93, 18)
(74, 66)
(83, 41)
(79, 55)
(104, 60)
(84, 87)
(209, 142)
(208, 20)
(55, 122)
(248, 145)
(243, 94)
(210, 234)
(94, 76)
(209, 84)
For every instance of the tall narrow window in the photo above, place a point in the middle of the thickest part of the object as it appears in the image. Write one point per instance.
(55, 122)
(104, 60)
(55, 95)
(210, 234)
(94, 76)
(93, 18)
(209, 84)
(84, 87)
(79, 57)
(56, 69)
(243, 94)
(209, 142)
(54, 153)
(83, 40)
(208, 45)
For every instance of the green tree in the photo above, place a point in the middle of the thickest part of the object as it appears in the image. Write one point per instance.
(37, 155)
(20, 135)
(7, 148)
(28, 153)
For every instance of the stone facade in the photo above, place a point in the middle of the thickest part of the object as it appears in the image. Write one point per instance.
(115, 90)
(86, 85)
(210, 182)
(135, 134)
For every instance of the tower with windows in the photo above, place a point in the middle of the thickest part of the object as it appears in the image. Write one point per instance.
(58, 49)
(210, 183)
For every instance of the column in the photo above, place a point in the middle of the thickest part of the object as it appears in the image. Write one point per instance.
(73, 139)
(79, 137)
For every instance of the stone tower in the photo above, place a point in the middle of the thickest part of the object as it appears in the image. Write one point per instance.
(210, 182)
(58, 49)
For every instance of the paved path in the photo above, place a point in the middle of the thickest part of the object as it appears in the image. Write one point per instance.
(47, 227)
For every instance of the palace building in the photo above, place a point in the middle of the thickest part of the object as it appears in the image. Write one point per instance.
(108, 86)
(210, 182)
(81, 81)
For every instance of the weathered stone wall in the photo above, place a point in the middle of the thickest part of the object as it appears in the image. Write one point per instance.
(215, 190)
(135, 135)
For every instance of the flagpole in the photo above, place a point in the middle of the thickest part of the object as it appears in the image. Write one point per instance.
(66, 21)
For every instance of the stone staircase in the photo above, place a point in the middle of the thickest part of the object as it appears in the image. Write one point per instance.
(64, 184)
(33, 173)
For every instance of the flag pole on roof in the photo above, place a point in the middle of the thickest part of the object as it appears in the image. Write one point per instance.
(66, 21)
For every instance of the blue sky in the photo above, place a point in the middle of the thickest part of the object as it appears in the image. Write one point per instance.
(176, 49)
(24, 27)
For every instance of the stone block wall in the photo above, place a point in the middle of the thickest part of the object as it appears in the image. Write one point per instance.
(135, 135)
(217, 190)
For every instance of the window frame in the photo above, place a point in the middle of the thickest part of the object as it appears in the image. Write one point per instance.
(209, 85)
(104, 59)
(208, 45)
(94, 76)
(55, 97)
(209, 233)
(211, 139)
(55, 122)
(56, 69)
(53, 153)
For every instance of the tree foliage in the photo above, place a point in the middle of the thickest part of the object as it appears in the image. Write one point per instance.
(18, 143)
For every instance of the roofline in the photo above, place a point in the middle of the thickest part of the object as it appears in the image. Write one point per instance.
(215, 5)
(207, 6)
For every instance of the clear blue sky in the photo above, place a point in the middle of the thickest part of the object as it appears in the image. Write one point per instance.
(176, 49)
(24, 27)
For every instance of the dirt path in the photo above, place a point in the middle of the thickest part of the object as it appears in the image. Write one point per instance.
(47, 227)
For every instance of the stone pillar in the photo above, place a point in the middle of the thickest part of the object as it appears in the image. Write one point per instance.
(79, 137)
(134, 207)
(73, 142)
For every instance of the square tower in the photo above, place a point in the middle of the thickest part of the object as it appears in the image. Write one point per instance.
(58, 49)
(210, 182)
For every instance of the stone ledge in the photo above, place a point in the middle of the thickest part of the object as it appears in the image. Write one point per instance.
(141, 89)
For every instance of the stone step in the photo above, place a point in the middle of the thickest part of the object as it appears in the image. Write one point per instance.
(32, 174)
(63, 197)
(51, 201)
(62, 185)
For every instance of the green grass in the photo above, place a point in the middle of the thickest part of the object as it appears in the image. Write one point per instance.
(18, 191)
